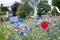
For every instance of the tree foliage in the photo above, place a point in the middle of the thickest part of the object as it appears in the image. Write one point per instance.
(14, 8)
(3, 10)
(24, 9)
(54, 11)
(43, 7)
(56, 3)
(34, 3)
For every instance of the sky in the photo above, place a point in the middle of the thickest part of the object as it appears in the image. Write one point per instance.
(50, 1)
(10, 2)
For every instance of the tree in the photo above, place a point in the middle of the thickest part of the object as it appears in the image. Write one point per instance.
(3, 10)
(33, 4)
(24, 9)
(56, 3)
(54, 11)
(43, 7)
(14, 8)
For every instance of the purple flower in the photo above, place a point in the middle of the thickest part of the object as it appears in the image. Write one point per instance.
(22, 33)
(47, 30)
(38, 17)
(10, 37)
(56, 25)
(55, 30)
(18, 32)
(36, 25)
(30, 28)
(41, 13)
(18, 25)
(32, 21)
(26, 27)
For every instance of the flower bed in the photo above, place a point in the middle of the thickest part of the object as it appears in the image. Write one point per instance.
(31, 30)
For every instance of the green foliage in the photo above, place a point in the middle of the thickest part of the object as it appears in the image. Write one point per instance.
(54, 11)
(43, 6)
(24, 0)
(5, 19)
(3, 10)
(2, 35)
(14, 8)
(24, 9)
(56, 3)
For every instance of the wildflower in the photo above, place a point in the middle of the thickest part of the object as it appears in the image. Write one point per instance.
(18, 25)
(22, 33)
(51, 30)
(38, 17)
(27, 16)
(47, 30)
(58, 14)
(58, 38)
(36, 25)
(19, 28)
(26, 27)
(25, 34)
(49, 38)
(56, 25)
(30, 28)
(18, 32)
(10, 37)
(44, 24)
(55, 30)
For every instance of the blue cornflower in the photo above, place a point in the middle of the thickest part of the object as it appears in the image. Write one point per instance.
(55, 30)
(41, 13)
(22, 33)
(38, 17)
(56, 25)
(18, 25)
(30, 28)
(36, 25)
(18, 32)
(32, 21)
(10, 37)
(26, 27)
(47, 30)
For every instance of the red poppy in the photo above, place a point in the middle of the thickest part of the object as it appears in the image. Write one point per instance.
(44, 24)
